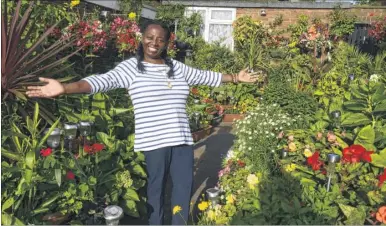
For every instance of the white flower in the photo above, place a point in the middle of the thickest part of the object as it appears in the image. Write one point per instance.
(374, 78)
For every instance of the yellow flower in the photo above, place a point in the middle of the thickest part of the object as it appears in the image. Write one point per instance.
(292, 44)
(292, 147)
(132, 15)
(307, 152)
(230, 199)
(290, 167)
(252, 180)
(211, 215)
(176, 209)
(203, 205)
(74, 3)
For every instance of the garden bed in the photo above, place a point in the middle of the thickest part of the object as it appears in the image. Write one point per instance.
(202, 134)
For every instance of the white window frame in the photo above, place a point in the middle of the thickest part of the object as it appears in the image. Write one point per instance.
(208, 20)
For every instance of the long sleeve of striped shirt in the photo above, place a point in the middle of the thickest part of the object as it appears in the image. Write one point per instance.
(199, 77)
(122, 76)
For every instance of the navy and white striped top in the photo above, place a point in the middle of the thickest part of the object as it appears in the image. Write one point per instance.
(160, 111)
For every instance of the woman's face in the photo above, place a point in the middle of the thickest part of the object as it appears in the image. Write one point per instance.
(154, 41)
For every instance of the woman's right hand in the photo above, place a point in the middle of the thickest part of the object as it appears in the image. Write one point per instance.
(53, 88)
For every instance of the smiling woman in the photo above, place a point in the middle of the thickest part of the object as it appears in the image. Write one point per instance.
(159, 88)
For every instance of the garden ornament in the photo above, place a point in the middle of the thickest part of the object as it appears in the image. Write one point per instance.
(70, 131)
(112, 214)
(53, 139)
(213, 195)
(332, 160)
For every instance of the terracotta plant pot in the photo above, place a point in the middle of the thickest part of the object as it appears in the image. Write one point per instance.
(201, 134)
(232, 117)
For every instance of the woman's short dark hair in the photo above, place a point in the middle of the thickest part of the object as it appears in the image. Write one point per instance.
(164, 53)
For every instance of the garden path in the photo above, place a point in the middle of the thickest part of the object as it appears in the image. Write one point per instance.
(208, 157)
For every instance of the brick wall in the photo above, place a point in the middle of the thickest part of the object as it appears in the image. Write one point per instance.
(290, 15)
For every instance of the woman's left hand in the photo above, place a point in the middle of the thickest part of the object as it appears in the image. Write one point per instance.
(247, 77)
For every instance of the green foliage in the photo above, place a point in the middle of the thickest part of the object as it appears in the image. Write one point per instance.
(215, 57)
(248, 36)
(291, 101)
(299, 27)
(342, 23)
(169, 13)
(335, 83)
(131, 6)
(192, 23)
(242, 96)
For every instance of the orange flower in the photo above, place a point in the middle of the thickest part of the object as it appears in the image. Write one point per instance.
(381, 215)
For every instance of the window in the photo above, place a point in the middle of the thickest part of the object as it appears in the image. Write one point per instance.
(217, 23)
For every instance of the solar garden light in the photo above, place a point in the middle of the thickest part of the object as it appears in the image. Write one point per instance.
(70, 130)
(284, 153)
(336, 118)
(53, 139)
(213, 195)
(112, 214)
(85, 130)
(351, 77)
(104, 15)
(332, 160)
(196, 116)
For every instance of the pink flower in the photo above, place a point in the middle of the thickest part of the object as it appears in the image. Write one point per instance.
(331, 137)
(319, 136)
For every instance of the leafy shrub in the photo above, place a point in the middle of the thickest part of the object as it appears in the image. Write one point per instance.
(291, 101)
(342, 23)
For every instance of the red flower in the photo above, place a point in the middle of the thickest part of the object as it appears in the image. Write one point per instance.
(314, 161)
(382, 178)
(366, 156)
(88, 149)
(70, 175)
(371, 14)
(98, 147)
(240, 163)
(355, 153)
(94, 148)
(46, 152)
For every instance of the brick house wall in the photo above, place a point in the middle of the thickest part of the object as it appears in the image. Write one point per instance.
(291, 15)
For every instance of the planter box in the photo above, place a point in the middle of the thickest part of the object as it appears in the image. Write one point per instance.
(232, 117)
(201, 134)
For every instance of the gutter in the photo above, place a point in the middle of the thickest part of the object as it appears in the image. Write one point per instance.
(242, 4)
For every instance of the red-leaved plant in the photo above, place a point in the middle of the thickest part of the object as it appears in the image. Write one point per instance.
(22, 64)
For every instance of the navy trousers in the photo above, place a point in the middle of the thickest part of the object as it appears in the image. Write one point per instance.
(178, 160)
